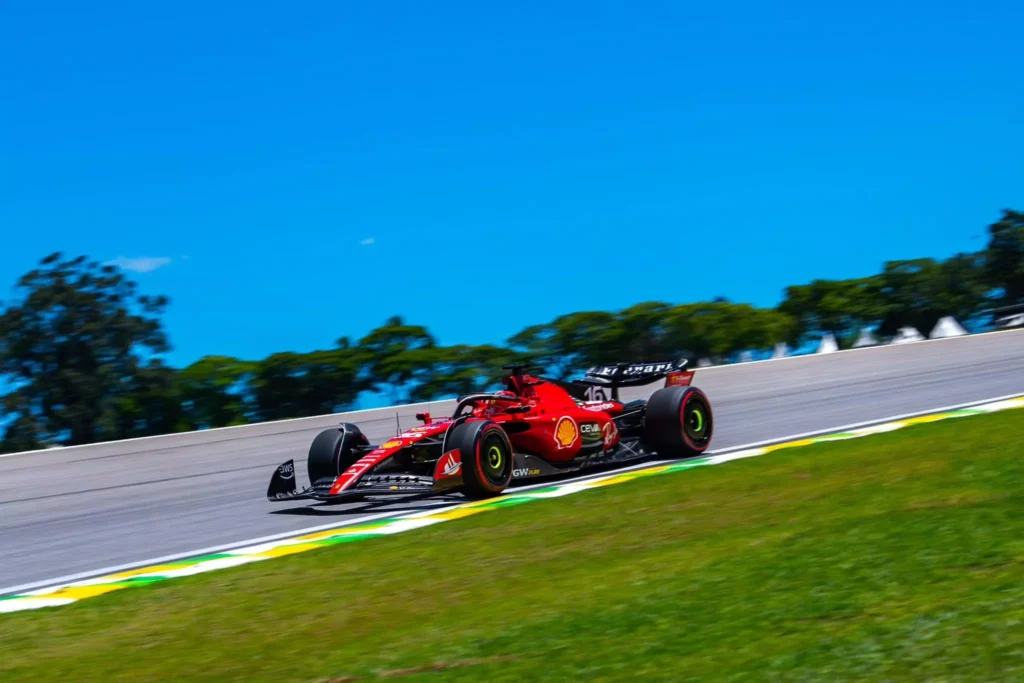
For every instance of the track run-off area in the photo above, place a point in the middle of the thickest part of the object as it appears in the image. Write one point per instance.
(68, 593)
(71, 515)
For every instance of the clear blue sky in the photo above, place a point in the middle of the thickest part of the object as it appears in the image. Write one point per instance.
(300, 171)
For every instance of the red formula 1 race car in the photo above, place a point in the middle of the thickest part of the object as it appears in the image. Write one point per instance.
(534, 428)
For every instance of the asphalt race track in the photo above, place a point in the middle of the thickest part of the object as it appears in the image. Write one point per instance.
(74, 510)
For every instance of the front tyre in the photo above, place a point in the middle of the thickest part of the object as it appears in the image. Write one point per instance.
(487, 461)
(678, 422)
(332, 451)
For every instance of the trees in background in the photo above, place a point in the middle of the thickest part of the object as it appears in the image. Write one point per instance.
(919, 292)
(720, 329)
(461, 369)
(838, 307)
(78, 350)
(1004, 258)
(303, 384)
(394, 355)
(214, 392)
(79, 347)
(570, 342)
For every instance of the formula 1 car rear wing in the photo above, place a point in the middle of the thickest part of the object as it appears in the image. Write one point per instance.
(636, 375)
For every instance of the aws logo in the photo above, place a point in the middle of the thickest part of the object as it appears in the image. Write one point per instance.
(566, 432)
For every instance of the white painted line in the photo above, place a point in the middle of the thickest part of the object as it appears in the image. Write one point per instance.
(228, 547)
(37, 603)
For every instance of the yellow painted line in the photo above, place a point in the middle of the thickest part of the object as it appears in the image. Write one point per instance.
(283, 550)
(82, 592)
(601, 483)
(457, 513)
(478, 503)
(625, 477)
(333, 533)
(925, 419)
(791, 444)
(122, 576)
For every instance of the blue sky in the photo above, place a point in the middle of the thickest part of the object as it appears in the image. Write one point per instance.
(293, 172)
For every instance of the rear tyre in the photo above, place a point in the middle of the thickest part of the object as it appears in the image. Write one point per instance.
(486, 457)
(678, 422)
(332, 451)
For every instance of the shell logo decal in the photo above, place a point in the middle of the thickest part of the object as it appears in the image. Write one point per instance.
(566, 432)
(391, 444)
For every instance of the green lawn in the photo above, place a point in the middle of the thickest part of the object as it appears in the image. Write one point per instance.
(894, 557)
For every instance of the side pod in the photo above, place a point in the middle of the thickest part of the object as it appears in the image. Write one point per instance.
(282, 484)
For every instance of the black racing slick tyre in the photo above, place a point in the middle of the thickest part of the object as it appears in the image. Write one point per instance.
(678, 422)
(331, 452)
(486, 452)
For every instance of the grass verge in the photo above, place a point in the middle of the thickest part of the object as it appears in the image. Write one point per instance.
(892, 557)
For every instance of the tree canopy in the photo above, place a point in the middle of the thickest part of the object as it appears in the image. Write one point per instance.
(1004, 258)
(79, 350)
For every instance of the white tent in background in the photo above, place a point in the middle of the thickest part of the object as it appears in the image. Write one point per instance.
(704, 363)
(866, 338)
(781, 351)
(1010, 321)
(907, 335)
(947, 327)
(828, 344)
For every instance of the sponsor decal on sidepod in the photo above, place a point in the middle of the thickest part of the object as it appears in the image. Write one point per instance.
(450, 465)
(566, 432)
(611, 434)
(591, 432)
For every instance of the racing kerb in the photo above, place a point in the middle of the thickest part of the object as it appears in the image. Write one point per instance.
(60, 595)
(69, 512)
